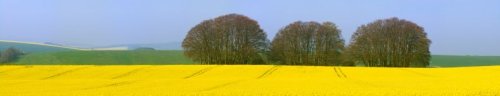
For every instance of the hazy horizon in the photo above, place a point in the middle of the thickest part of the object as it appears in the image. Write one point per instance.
(455, 27)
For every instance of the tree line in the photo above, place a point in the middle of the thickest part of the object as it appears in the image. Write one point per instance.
(238, 39)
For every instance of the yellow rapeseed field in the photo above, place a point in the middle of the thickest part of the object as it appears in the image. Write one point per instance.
(245, 80)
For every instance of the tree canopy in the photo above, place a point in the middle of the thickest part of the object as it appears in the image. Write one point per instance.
(390, 42)
(308, 43)
(227, 39)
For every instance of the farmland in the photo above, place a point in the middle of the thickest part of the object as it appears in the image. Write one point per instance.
(44, 54)
(105, 58)
(247, 80)
(176, 57)
(461, 61)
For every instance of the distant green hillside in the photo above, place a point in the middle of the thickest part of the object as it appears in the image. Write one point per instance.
(458, 61)
(177, 57)
(29, 47)
(106, 57)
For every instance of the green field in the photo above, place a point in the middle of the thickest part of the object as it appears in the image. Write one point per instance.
(43, 54)
(105, 57)
(459, 61)
(177, 57)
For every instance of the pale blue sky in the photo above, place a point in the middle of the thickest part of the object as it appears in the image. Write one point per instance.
(458, 27)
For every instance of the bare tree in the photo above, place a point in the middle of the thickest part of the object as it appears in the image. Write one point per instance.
(227, 39)
(308, 43)
(390, 42)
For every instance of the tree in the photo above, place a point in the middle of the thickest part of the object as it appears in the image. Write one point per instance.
(390, 42)
(227, 39)
(308, 43)
(9, 55)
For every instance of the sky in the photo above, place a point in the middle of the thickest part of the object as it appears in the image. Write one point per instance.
(455, 27)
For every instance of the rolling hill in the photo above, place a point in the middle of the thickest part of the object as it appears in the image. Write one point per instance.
(31, 47)
(155, 57)
(55, 54)
(125, 57)
(157, 46)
